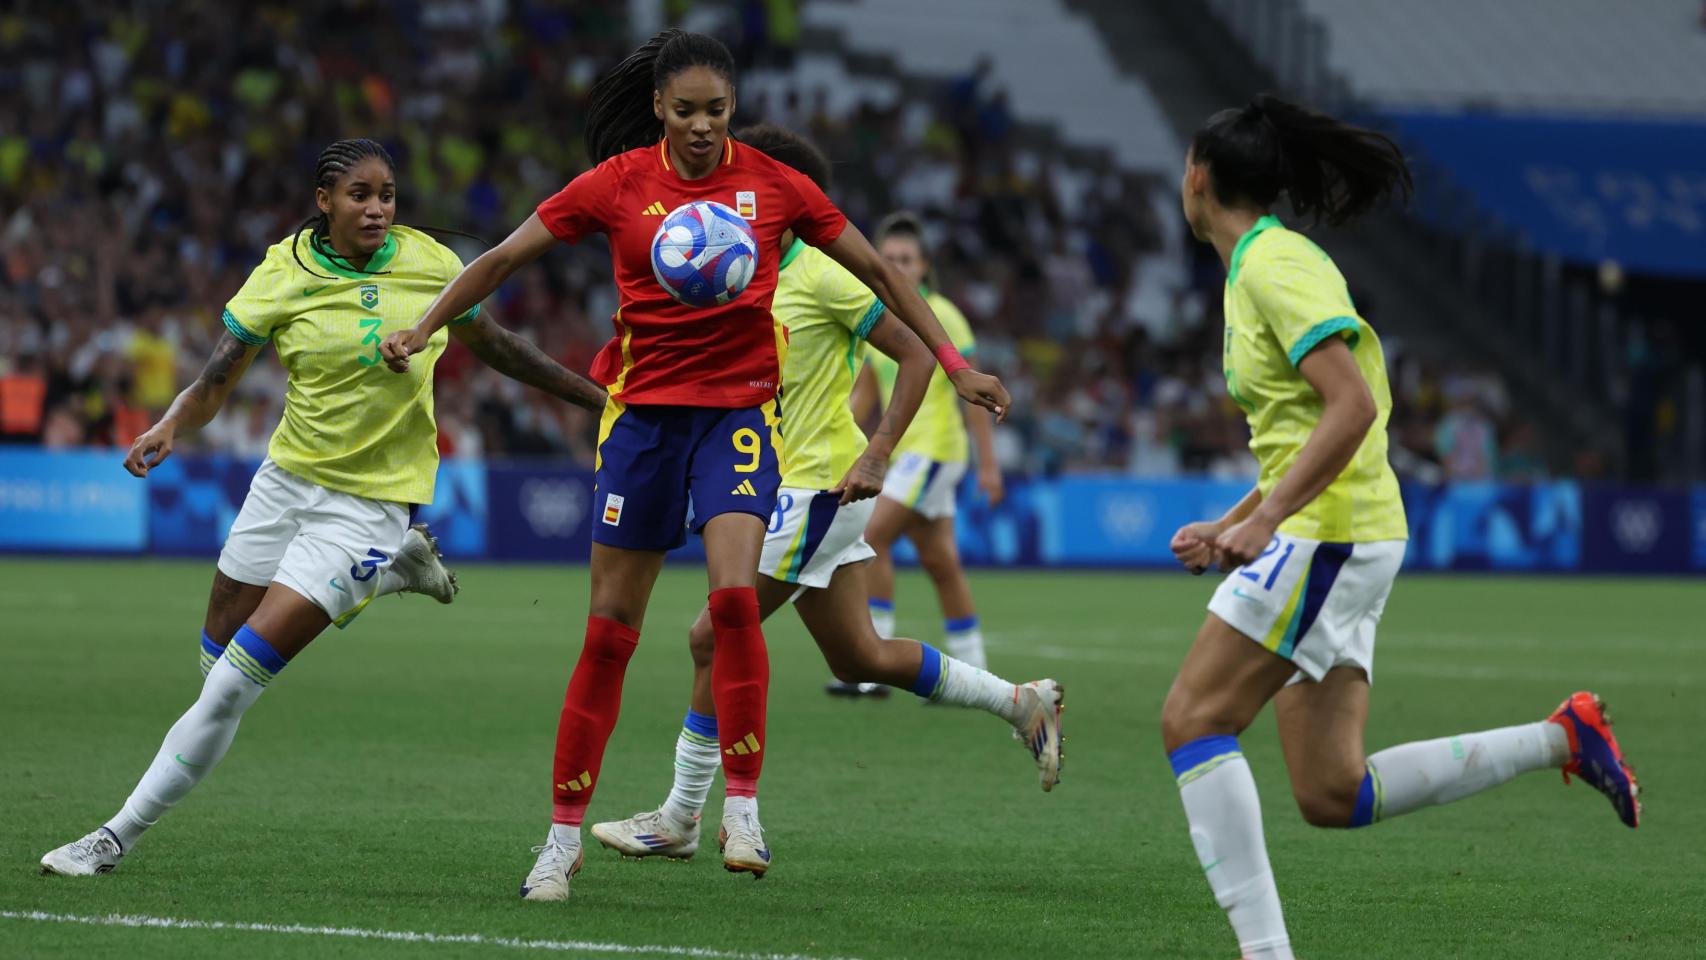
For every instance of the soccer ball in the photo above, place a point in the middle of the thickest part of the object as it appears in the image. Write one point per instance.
(704, 254)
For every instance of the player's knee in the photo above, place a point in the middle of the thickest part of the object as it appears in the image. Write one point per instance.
(847, 669)
(1185, 717)
(941, 563)
(1328, 804)
(702, 642)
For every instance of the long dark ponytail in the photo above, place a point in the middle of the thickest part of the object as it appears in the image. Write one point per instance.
(619, 109)
(338, 159)
(1330, 169)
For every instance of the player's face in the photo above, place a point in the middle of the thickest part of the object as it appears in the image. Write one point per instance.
(907, 256)
(695, 106)
(361, 207)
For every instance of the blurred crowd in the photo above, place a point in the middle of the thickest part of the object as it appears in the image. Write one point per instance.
(147, 160)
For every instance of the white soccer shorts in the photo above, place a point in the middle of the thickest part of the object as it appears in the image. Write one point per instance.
(330, 547)
(924, 485)
(1316, 604)
(811, 535)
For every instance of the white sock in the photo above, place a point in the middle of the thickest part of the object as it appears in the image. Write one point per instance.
(882, 617)
(697, 757)
(965, 641)
(964, 685)
(200, 737)
(390, 581)
(564, 835)
(734, 806)
(1226, 828)
(1415, 775)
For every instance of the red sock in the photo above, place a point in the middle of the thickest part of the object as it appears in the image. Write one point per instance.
(740, 684)
(590, 706)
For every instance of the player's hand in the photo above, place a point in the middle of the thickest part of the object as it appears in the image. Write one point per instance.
(151, 448)
(1193, 546)
(864, 480)
(982, 389)
(400, 346)
(990, 481)
(1245, 540)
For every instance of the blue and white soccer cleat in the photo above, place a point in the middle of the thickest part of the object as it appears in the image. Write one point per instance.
(1595, 756)
(742, 842)
(99, 852)
(422, 568)
(552, 871)
(650, 834)
(1040, 704)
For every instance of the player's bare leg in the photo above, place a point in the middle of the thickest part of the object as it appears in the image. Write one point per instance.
(1337, 785)
(280, 627)
(229, 603)
(939, 555)
(1223, 683)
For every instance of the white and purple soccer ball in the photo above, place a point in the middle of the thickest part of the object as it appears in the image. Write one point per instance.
(704, 254)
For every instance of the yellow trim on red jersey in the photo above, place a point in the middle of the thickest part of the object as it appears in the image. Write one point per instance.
(627, 354)
(728, 151)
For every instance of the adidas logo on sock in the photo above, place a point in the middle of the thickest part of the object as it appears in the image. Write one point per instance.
(745, 746)
(577, 784)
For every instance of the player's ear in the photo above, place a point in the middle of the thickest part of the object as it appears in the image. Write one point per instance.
(657, 104)
(731, 112)
(323, 199)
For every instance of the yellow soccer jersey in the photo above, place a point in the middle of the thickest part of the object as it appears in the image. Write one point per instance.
(349, 423)
(939, 429)
(828, 313)
(1284, 297)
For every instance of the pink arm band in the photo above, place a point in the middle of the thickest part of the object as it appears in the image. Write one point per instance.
(949, 357)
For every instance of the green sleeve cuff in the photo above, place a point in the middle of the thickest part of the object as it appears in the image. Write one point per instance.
(1322, 331)
(868, 322)
(468, 317)
(241, 332)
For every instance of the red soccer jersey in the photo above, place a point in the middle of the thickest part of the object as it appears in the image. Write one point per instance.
(665, 352)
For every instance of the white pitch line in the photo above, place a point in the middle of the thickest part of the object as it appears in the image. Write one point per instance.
(406, 936)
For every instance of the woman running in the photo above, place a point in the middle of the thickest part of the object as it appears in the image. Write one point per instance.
(325, 526)
(692, 415)
(918, 499)
(814, 550)
(1314, 548)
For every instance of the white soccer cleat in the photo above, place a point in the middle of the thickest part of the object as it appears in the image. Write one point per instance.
(650, 834)
(551, 873)
(742, 843)
(422, 567)
(99, 852)
(1041, 702)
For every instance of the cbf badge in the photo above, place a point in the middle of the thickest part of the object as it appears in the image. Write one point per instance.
(370, 295)
(746, 204)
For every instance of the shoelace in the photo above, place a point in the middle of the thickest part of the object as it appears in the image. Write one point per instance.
(548, 866)
(93, 844)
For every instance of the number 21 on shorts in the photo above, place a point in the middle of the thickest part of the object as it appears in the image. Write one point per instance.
(1253, 572)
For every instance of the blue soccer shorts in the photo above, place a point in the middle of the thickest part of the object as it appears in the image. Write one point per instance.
(658, 463)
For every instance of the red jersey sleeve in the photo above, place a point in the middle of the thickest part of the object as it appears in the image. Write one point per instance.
(583, 206)
(819, 221)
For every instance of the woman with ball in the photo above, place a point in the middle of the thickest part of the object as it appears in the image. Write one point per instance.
(695, 222)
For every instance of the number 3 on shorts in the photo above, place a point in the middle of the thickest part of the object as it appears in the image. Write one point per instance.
(746, 441)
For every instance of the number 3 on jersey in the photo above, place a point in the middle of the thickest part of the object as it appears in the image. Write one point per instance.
(746, 442)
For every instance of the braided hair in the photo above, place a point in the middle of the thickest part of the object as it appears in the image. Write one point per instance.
(619, 109)
(336, 161)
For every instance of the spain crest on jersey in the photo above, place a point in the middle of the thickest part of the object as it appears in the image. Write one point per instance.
(746, 204)
(370, 295)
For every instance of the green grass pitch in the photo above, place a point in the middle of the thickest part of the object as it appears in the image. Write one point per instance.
(396, 775)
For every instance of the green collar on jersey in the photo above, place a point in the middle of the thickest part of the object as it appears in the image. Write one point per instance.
(379, 261)
(1244, 244)
(793, 252)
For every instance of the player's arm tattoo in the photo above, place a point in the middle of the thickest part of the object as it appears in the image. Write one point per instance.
(520, 359)
(201, 400)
